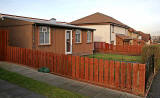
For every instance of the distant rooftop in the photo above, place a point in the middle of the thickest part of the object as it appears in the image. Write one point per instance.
(98, 18)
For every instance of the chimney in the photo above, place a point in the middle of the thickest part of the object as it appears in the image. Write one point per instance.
(52, 20)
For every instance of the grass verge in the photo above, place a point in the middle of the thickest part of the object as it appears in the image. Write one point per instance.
(37, 86)
(117, 57)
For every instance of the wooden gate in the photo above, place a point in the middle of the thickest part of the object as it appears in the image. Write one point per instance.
(3, 43)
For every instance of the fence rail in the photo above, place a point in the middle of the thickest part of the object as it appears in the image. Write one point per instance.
(120, 49)
(129, 77)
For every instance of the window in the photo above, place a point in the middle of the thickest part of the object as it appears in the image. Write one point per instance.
(78, 36)
(44, 35)
(89, 37)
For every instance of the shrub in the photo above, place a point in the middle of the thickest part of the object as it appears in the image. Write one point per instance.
(150, 50)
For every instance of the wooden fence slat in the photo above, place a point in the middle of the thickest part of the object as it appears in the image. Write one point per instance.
(112, 73)
(69, 65)
(123, 70)
(129, 73)
(106, 73)
(66, 65)
(135, 76)
(117, 74)
(101, 71)
(58, 64)
(73, 66)
(91, 69)
(82, 68)
(142, 79)
(95, 70)
(86, 68)
(55, 63)
(63, 65)
(77, 66)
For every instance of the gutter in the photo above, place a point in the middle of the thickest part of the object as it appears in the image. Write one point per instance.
(65, 26)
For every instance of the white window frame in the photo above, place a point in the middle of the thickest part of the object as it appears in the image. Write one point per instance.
(49, 43)
(89, 41)
(80, 36)
(70, 43)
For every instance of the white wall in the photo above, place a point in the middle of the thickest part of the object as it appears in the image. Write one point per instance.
(120, 30)
(102, 33)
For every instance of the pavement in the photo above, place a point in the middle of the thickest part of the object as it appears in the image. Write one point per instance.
(82, 88)
(8, 90)
(154, 91)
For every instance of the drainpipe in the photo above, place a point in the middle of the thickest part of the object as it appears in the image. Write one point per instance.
(34, 30)
(110, 33)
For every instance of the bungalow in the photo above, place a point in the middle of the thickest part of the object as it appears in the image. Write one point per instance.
(47, 35)
(106, 27)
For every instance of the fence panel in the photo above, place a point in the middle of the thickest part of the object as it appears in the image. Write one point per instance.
(119, 49)
(124, 76)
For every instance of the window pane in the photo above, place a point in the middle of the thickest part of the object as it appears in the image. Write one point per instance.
(78, 36)
(46, 37)
(41, 37)
(89, 36)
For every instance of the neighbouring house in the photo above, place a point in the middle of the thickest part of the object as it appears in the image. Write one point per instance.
(155, 39)
(132, 33)
(122, 39)
(106, 27)
(138, 42)
(47, 35)
(145, 37)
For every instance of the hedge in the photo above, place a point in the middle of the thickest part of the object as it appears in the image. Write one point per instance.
(150, 50)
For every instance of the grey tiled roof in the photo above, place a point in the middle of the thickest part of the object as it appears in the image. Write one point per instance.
(46, 22)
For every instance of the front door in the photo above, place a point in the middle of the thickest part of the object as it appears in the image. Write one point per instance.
(68, 42)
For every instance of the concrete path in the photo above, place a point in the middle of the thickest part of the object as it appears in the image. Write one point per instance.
(154, 91)
(8, 90)
(68, 84)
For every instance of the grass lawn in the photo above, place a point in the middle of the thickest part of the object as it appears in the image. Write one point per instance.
(36, 86)
(117, 57)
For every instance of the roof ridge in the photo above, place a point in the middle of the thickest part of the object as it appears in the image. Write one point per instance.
(23, 17)
(102, 18)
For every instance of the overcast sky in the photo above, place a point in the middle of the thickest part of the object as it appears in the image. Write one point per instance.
(143, 15)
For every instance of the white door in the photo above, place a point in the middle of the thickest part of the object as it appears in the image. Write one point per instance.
(68, 42)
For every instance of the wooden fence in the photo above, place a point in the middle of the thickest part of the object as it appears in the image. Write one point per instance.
(129, 77)
(3, 42)
(103, 47)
